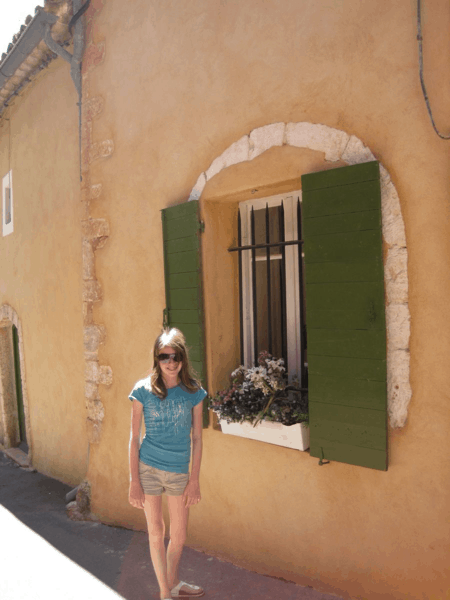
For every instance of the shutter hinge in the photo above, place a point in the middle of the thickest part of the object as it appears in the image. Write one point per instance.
(201, 226)
(165, 318)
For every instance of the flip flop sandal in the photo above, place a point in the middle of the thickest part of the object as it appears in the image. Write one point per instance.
(193, 591)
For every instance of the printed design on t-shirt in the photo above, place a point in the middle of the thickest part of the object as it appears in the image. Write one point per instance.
(178, 415)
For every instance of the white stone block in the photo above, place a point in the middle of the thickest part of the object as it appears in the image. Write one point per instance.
(398, 386)
(95, 410)
(198, 188)
(263, 138)
(356, 153)
(91, 391)
(384, 175)
(234, 154)
(398, 327)
(317, 137)
(392, 222)
(396, 275)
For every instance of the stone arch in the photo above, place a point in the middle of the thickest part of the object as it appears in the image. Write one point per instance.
(9, 426)
(338, 145)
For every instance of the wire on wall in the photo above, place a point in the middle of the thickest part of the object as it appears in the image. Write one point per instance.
(422, 81)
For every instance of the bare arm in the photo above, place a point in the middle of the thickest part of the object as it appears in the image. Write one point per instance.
(192, 492)
(136, 494)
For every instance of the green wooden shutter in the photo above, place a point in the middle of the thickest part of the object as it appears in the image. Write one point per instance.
(345, 315)
(182, 270)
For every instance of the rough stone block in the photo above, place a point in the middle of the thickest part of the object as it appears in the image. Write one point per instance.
(95, 410)
(91, 371)
(88, 261)
(83, 498)
(102, 149)
(356, 153)
(263, 138)
(91, 192)
(398, 327)
(88, 313)
(396, 275)
(93, 336)
(398, 386)
(93, 56)
(198, 188)
(236, 153)
(92, 291)
(95, 228)
(392, 222)
(93, 107)
(91, 391)
(317, 137)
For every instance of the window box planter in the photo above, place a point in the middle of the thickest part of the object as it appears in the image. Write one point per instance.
(290, 436)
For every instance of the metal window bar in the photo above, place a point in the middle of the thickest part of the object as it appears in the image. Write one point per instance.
(269, 289)
(283, 285)
(241, 300)
(255, 315)
(280, 244)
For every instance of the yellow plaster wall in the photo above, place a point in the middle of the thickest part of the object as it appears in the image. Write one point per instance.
(181, 82)
(40, 266)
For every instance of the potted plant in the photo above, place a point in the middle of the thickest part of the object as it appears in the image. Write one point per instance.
(261, 404)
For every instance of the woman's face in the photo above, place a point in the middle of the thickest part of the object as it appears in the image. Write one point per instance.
(169, 369)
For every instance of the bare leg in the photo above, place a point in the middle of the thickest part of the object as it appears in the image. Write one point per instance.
(179, 515)
(155, 524)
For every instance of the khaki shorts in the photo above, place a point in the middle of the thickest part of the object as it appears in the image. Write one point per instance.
(154, 481)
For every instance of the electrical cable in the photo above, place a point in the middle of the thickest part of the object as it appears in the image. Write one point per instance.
(422, 81)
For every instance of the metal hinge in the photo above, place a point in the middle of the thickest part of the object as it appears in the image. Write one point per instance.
(201, 226)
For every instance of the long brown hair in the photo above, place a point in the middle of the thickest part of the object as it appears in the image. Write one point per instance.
(176, 340)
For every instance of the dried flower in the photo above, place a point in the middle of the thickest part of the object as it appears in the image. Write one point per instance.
(262, 392)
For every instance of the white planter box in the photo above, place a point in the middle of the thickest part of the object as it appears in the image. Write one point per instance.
(291, 436)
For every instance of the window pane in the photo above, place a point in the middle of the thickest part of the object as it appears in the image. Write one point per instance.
(260, 229)
(277, 295)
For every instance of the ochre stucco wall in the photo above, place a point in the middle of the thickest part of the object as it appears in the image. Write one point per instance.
(180, 83)
(40, 267)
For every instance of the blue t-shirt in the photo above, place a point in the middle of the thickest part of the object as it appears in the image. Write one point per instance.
(168, 422)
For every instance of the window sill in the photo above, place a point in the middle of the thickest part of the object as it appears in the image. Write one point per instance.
(290, 436)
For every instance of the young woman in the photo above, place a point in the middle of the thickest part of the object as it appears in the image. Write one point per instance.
(170, 399)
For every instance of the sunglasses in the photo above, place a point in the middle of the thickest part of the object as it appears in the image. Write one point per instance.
(165, 358)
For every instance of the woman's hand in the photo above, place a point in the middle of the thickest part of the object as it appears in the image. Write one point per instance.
(136, 496)
(191, 494)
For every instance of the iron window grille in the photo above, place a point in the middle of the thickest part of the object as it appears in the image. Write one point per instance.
(271, 282)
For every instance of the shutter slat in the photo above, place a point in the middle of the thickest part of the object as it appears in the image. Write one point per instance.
(345, 315)
(359, 393)
(181, 237)
(183, 262)
(343, 176)
(348, 368)
(353, 455)
(183, 281)
(183, 299)
(346, 319)
(333, 272)
(340, 223)
(354, 343)
(181, 245)
(347, 199)
(349, 424)
(181, 228)
(341, 247)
